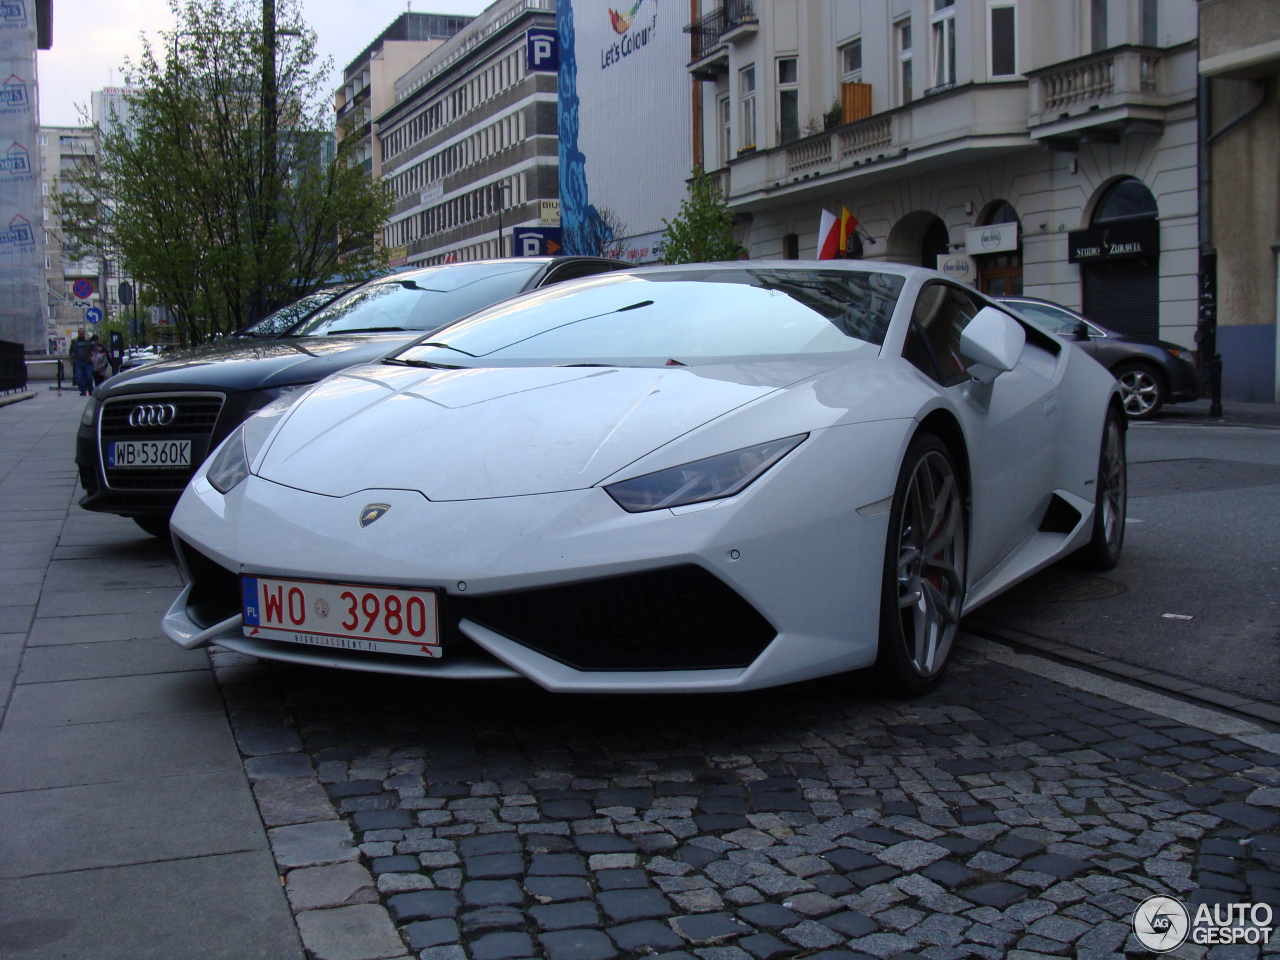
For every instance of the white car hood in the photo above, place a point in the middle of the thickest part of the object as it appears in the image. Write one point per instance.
(494, 432)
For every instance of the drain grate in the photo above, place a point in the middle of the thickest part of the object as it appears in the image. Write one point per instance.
(1065, 586)
(1153, 478)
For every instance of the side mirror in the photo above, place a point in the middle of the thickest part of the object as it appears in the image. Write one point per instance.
(1081, 332)
(992, 344)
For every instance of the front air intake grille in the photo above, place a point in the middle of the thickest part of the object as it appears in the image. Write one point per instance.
(215, 590)
(193, 417)
(680, 618)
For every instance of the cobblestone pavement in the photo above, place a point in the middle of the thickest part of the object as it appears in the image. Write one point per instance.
(1006, 815)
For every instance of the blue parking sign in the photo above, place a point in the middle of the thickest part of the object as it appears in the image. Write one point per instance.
(542, 51)
(537, 241)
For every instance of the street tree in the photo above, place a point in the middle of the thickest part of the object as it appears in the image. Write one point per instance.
(225, 193)
(703, 229)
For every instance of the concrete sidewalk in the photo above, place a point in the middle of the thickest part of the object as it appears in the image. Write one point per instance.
(127, 826)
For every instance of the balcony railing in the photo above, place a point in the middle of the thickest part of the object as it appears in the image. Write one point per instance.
(707, 33)
(1118, 77)
(852, 142)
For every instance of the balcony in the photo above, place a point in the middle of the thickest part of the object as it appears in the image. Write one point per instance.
(1098, 96)
(969, 123)
(710, 35)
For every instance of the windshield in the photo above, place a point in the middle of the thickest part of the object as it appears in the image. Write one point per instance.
(674, 317)
(1055, 319)
(421, 300)
(281, 320)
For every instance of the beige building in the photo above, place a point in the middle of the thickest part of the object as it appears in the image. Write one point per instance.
(62, 149)
(1041, 147)
(1240, 64)
(369, 80)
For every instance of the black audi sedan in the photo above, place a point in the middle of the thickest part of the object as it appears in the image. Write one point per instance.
(1151, 373)
(144, 432)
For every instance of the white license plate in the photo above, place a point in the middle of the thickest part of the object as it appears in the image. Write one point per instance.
(123, 454)
(344, 615)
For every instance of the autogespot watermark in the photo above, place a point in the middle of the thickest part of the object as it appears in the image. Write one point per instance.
(1162, 923)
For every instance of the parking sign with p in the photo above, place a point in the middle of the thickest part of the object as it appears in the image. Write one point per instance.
(542, 51)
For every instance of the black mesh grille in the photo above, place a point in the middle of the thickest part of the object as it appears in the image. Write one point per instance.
(678, 618)
(88, 478)
(215, 590)
(194, 419)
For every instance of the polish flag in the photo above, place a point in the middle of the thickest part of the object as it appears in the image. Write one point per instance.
(829, 237)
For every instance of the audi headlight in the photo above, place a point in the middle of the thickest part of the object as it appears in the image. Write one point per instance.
(90, 411)
(231, 463)
(711, 479)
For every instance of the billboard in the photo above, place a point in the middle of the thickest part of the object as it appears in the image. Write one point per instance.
(625, 127)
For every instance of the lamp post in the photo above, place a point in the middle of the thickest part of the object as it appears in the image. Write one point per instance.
(504, 190)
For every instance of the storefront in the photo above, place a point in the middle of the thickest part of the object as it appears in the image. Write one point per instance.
(1118, 255)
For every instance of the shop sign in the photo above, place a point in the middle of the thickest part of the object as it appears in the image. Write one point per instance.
(1114, 241)
(993, 238)
(958, 267)
(550, 213)
(432, 191)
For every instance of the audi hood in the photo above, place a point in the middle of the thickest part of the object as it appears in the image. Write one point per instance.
(463, 434)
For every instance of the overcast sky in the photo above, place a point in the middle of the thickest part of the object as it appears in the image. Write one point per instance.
(91, 40)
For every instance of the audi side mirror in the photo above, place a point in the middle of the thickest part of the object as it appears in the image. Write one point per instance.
(992, 344)
(1081, 331)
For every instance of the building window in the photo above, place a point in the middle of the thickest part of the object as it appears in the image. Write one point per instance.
(902, 32)
(725, 112)
(1150, 23)
(944, 45)
(1098, 24)
(44, 139)
(851, 61)
(788, 100)
(1003, 40)
(747, 101)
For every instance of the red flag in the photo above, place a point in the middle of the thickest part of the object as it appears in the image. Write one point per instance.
(828, 236)
(848, 224)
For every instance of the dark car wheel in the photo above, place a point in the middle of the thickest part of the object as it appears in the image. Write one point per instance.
(156, 526)
(1111, 503)
(922, 593)
(1143, 388)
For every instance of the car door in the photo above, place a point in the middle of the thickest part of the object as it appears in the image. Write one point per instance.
(1011, 427)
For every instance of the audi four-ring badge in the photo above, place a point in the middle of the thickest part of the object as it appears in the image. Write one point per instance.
(144, 432)
(689, 478)
(152, 415)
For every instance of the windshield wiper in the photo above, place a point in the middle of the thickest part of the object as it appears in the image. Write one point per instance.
(445, 346)
(335, 333)
(422, 363)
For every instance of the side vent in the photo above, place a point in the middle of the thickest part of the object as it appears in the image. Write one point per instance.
(1060, 517)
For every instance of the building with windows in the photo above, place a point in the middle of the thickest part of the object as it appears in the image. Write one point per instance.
(1043, 148)
(1240, 71)
(109, 108)
(470, 146)
(368, 87)
(72, 284)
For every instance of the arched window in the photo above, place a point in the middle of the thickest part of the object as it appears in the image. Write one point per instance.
(1125, 200)
(1000, 274)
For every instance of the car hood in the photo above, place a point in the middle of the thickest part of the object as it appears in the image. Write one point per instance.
(250, 364)
(497, 432)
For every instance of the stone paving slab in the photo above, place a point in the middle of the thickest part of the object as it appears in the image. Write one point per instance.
(99, 628)
(109, 658)
(223, 907)
(93, 602)
(1005, 814)
(111, 698)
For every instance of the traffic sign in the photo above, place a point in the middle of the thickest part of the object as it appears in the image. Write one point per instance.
(93, 315)
(125, 292)
(82, 289)
(537, 241)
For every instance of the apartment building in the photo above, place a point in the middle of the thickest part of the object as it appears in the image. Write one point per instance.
(1240, 67)
(1035, 147)
(369, 80)
(71, 285)
(470, 146)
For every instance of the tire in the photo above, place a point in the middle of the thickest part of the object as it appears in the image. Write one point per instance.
(1143, 388)
(1111, 501)
(923, 587)
(156, 526)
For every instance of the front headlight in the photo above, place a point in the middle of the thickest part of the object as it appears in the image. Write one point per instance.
(231, 464)
(90, 412)
(711, 479)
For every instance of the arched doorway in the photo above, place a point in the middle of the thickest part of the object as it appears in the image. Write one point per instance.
(1000, 274)
(1119, 260)
(919, 239)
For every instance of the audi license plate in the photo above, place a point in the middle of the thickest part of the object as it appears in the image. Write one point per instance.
(149, 453)
(344, 615)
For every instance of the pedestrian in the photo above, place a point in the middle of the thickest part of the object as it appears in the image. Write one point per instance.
(101, 362)
(81, 354)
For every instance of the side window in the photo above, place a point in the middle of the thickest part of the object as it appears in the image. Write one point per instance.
(933, 343)
(583, 268)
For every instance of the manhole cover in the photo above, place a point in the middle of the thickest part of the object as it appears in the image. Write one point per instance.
(1065, 586)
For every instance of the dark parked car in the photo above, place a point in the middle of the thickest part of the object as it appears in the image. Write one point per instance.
(281, 321)
(144, 432)
(1151, 373)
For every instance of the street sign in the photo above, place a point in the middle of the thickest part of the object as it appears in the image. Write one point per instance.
(537, 241)
(542, 51)
(93, 315)
(82, 289)
(125, 292)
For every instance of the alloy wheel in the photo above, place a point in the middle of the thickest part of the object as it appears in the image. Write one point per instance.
(1141, 392)
(930, 566)
(1112, 480)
